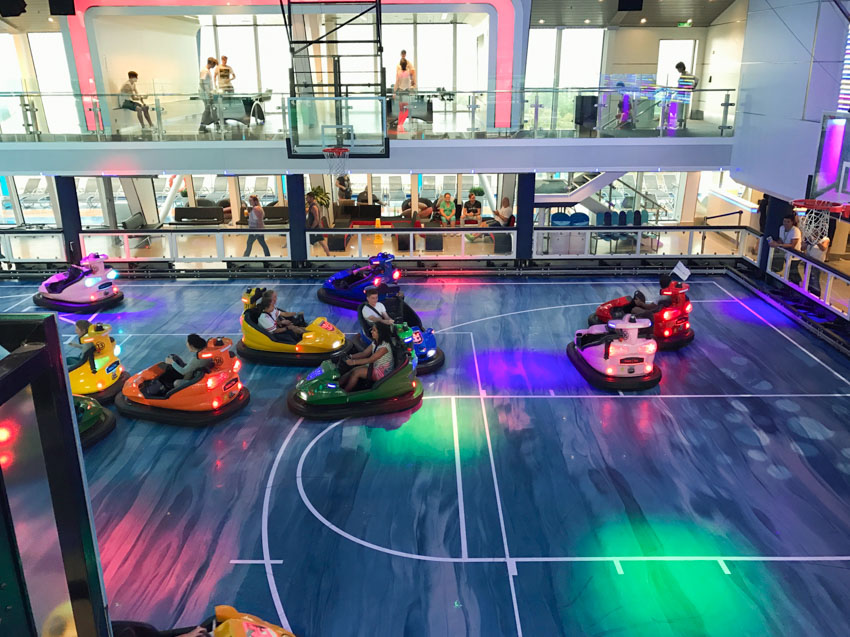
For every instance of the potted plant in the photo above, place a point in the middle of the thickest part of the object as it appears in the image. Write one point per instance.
(322, 197)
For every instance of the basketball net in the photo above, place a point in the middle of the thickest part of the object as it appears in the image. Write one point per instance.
(815, 223)
(337, 158)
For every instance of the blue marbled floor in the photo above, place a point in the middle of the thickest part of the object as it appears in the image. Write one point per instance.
(367, 527)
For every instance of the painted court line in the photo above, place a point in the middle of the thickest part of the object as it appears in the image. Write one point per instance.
(284, 622)
(14, 296)
(460, 508)
(21, 302)
(784, 335)
(256, 562)
(511, 565)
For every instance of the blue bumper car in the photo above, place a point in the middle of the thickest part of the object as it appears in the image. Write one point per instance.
(348, 288)
(430, 358)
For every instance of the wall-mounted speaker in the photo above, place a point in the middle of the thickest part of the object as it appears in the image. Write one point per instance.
(629, 5)
(61, 7)
(12, 8)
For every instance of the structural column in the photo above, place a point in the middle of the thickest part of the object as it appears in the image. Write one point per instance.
(69, 213)
(524, 216)
(297, 219)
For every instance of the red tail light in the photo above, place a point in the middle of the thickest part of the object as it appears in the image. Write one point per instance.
(396, 275)
(687, 325)
(6, 459)
(610, 371)
(239, 386)
(115, 289)
(6, 434)
(648, 369)
(413, 384)
(216, 404)
(667, 333)
(689, 308)
(668, 314)
(212, 382)
(237, 365)
(377, 281)
(651, 347)
(93, 297)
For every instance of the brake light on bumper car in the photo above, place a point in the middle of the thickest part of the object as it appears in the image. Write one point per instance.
(667, 333)
(689, 308)
(215, 404)
(648, 369)
(396, 275)
(377, 281)
(610, 371)
(237, 365)
(650, 348)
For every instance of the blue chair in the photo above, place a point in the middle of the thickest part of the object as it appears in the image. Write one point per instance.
(579, 219)
(561, 219)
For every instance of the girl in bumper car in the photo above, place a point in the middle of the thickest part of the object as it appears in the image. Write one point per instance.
(374, 362)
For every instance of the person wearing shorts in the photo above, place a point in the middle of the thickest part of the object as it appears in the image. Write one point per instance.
(132, 101)
(314, 222)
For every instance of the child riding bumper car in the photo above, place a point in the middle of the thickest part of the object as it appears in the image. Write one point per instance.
(670, 315)
(208, 392)
(98, 373)
(348, 288)
(321, 395)
(94, 422)
(422, 341)
(87, 287)
(618, 355)
(307, 346)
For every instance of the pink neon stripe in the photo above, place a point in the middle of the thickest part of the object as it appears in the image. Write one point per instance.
(504, 42)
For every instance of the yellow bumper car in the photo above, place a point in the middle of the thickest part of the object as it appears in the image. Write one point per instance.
(322, 340)
(98, 373)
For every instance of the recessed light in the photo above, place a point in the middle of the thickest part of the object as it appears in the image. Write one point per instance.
(587, 21)
(541, 21)
(50, 19)
(643, 20)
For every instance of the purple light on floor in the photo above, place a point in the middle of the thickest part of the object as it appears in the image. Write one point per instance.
(830, 159)
(522, 371)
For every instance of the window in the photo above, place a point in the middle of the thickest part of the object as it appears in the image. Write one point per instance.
(11, 118)
(51, 71)
(581, 57)
(433, 69)
(34, 195)
(396, 37)
(237, 43)
(670, 53)
(274, 60)
(540, 66)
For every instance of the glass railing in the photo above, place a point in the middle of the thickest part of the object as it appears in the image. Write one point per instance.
(818, 281)
(557, 242)
(491, 243)
(201, 245)
(362, 119)
(32, 246)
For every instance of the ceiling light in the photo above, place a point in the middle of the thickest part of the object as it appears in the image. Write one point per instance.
(643, 20)
(587, 21)
(541, 21)
(690, 20)
(50, 19)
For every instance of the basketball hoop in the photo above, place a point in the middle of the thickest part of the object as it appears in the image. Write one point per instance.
(337, 157)
(815, 223)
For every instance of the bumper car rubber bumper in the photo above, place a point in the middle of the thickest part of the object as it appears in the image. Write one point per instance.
(310, 359)
(108, 395)
(326, 296)
(97, 432)
(182, 417)
(66, 306)
(301, 407)
(612, 383)
(675, 342)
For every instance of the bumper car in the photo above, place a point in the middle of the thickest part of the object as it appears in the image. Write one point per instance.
(98, 374)
(321, 341)
(87, 287)
(211, 395)
(94, 422)
(320, 397)
(348, 288)
(422, 341)
(618, 355)
(671, 321)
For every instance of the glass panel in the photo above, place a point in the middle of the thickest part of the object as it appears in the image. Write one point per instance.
(88, 200)
(751, 247)
(395, 38)
(35, 201)
(36, 247)
(25, 476)
(114, 246)
(720, 242)
(51, 70)
(317, 123)
(670, 243)
(581, 57)
(560, 243)
(149, 246)
(473, 243)
(839, 295)
(236, 245)
(7, 214)
(275, 61)
(11, 116)
(196, 246)
(237, 43)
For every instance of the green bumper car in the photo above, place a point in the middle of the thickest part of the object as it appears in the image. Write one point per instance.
(93, 420)
(320, 397)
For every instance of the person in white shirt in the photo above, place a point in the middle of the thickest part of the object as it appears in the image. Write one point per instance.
(132, 101)
(817, 251)
(791, 238)
(206, 88)
(224, 76)
(504, 213)
(374, 311)
(277, 327)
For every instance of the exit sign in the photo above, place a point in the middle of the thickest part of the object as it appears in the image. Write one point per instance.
(684, 24)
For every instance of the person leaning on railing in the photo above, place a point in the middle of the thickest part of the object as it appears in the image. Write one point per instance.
(790, 238)
(817, 251)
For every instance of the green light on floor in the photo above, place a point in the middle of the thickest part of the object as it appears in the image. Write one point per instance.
(667, 596)
(428, 435)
